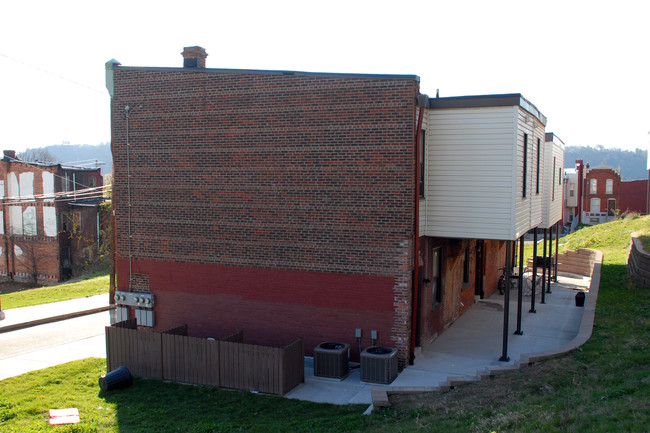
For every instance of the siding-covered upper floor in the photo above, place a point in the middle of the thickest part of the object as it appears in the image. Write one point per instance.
(554, 169)
(484, 167)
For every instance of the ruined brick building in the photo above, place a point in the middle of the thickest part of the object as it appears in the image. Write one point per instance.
(49, 219)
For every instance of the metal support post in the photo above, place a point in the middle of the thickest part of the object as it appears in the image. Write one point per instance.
(520, 289)
(543, 301)
(550, 259)
(506, 303)
(534, 276)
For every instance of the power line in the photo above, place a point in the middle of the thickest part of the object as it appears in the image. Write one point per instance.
(45, 71)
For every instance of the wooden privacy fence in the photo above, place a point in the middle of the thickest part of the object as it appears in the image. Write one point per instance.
(228, 363)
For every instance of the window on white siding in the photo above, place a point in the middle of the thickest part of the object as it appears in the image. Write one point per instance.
(595, 205)
(593, 186)
(572, 190)
(422, 161)
(524, 167)
(609, 186)
(539, 147)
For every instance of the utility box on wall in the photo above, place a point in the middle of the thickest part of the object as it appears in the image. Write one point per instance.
(143, 303)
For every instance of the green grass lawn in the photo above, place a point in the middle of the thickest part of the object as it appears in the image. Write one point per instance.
(602, 387)
(92, 285)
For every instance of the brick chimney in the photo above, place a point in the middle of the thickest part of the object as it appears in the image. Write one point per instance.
(194, 57)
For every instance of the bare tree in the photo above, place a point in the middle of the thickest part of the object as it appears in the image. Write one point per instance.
(40, 154)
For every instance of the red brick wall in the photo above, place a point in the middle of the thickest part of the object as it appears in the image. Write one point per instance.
(293, 192)
(634, 196)
(457, 296)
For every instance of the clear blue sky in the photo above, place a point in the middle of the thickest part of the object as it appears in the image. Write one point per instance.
(584, 64)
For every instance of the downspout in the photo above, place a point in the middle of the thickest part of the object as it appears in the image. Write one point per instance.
(5, 215)
(416, 232)
(127, 112)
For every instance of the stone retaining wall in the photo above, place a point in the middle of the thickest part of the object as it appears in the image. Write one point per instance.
(638, 262)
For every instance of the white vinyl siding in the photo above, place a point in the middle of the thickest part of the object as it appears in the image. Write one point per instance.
(553, 205)
(529, 208)
(470, 174)
(423, 201)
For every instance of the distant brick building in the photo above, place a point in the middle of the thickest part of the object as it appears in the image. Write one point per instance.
(293, 204)
(49, 219)
(605, 195)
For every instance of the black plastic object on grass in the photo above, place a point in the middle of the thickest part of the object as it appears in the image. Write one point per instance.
(117, 378)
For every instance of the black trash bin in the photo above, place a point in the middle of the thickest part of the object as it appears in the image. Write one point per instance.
(117, 378)
(580, 299)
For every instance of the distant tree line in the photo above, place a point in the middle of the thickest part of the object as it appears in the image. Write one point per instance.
(633, 164)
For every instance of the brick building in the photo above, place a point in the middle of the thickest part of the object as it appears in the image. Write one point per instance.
(634, 196)
(292, 204)
(49, 219)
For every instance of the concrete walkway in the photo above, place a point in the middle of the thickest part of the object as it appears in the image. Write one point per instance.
(467, 351)
(471, 348)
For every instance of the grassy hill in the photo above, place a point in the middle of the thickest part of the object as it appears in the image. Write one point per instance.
(602, 387)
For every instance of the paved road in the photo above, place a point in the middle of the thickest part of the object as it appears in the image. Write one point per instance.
(51, 344)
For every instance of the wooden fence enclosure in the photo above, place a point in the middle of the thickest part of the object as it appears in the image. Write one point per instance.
(227, 363)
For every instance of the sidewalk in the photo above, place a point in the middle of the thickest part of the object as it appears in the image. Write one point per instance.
(470, 349)
(20, 318)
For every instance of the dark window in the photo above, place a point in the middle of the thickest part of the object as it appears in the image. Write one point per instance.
(436, 277)
(525, 166)
(466, 266)
(422, 155)
(539, 147)
(611, 207)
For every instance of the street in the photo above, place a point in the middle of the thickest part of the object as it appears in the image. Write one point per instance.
(51, 344)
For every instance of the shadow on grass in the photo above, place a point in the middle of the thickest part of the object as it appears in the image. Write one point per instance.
(152, 405)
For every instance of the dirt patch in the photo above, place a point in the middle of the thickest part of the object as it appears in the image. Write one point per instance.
(14, 286)
(495, 391)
